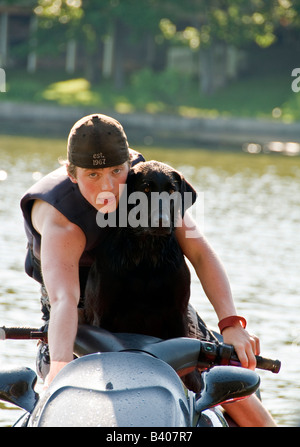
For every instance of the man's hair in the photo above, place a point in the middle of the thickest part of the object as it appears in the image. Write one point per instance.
(71, 169)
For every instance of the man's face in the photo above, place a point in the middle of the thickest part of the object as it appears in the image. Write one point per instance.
(102, 187)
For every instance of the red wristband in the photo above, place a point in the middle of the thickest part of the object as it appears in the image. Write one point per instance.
(231, 321)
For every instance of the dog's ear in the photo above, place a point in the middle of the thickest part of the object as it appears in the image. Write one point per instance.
(188, 193)
(132, 178)
(130, 181)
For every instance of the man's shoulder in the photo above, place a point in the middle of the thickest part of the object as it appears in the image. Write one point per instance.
(45, 215)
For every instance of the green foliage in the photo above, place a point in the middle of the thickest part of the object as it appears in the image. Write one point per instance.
(92, 19)
(170, 92)
(196, 23)
(168, 87)
(236, 22)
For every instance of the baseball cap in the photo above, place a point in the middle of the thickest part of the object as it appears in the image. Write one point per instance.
(97, 141)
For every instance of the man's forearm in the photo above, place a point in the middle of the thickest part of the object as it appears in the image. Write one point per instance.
(62, 331)
(208, 267)
(215, 283)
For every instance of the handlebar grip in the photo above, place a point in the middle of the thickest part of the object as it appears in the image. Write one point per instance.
(261, 362)
(22, 333)
(268, 364)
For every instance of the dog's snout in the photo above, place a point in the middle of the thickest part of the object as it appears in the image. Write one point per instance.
(160, 218)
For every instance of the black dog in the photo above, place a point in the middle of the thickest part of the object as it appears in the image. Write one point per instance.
(140, 282)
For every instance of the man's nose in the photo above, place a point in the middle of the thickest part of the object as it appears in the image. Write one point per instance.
(106, 183)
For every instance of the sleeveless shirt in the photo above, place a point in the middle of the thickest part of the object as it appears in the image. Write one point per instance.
(59, 191)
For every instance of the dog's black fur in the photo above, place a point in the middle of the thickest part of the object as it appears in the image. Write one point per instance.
(140, 282)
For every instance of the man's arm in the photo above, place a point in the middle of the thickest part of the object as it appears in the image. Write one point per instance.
(217, 288)
(62, 245)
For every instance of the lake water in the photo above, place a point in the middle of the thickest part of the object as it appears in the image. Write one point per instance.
(250, 213)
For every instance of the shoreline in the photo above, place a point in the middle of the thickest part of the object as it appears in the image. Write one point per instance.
(50, 120)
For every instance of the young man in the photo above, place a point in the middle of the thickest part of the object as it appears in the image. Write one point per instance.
(60, 220)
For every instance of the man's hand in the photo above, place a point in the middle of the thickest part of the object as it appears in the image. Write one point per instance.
(246, 346)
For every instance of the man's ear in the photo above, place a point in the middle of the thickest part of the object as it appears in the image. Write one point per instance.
(71, 177)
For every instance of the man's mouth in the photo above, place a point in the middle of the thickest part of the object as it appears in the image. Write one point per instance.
(105, 199)
(106, 202)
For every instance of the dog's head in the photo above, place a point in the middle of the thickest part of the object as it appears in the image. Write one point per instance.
(157, 195)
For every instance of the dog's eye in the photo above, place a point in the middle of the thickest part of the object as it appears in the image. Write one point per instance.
(147, 189)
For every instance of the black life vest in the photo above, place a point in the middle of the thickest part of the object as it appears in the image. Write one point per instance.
(59, 191)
